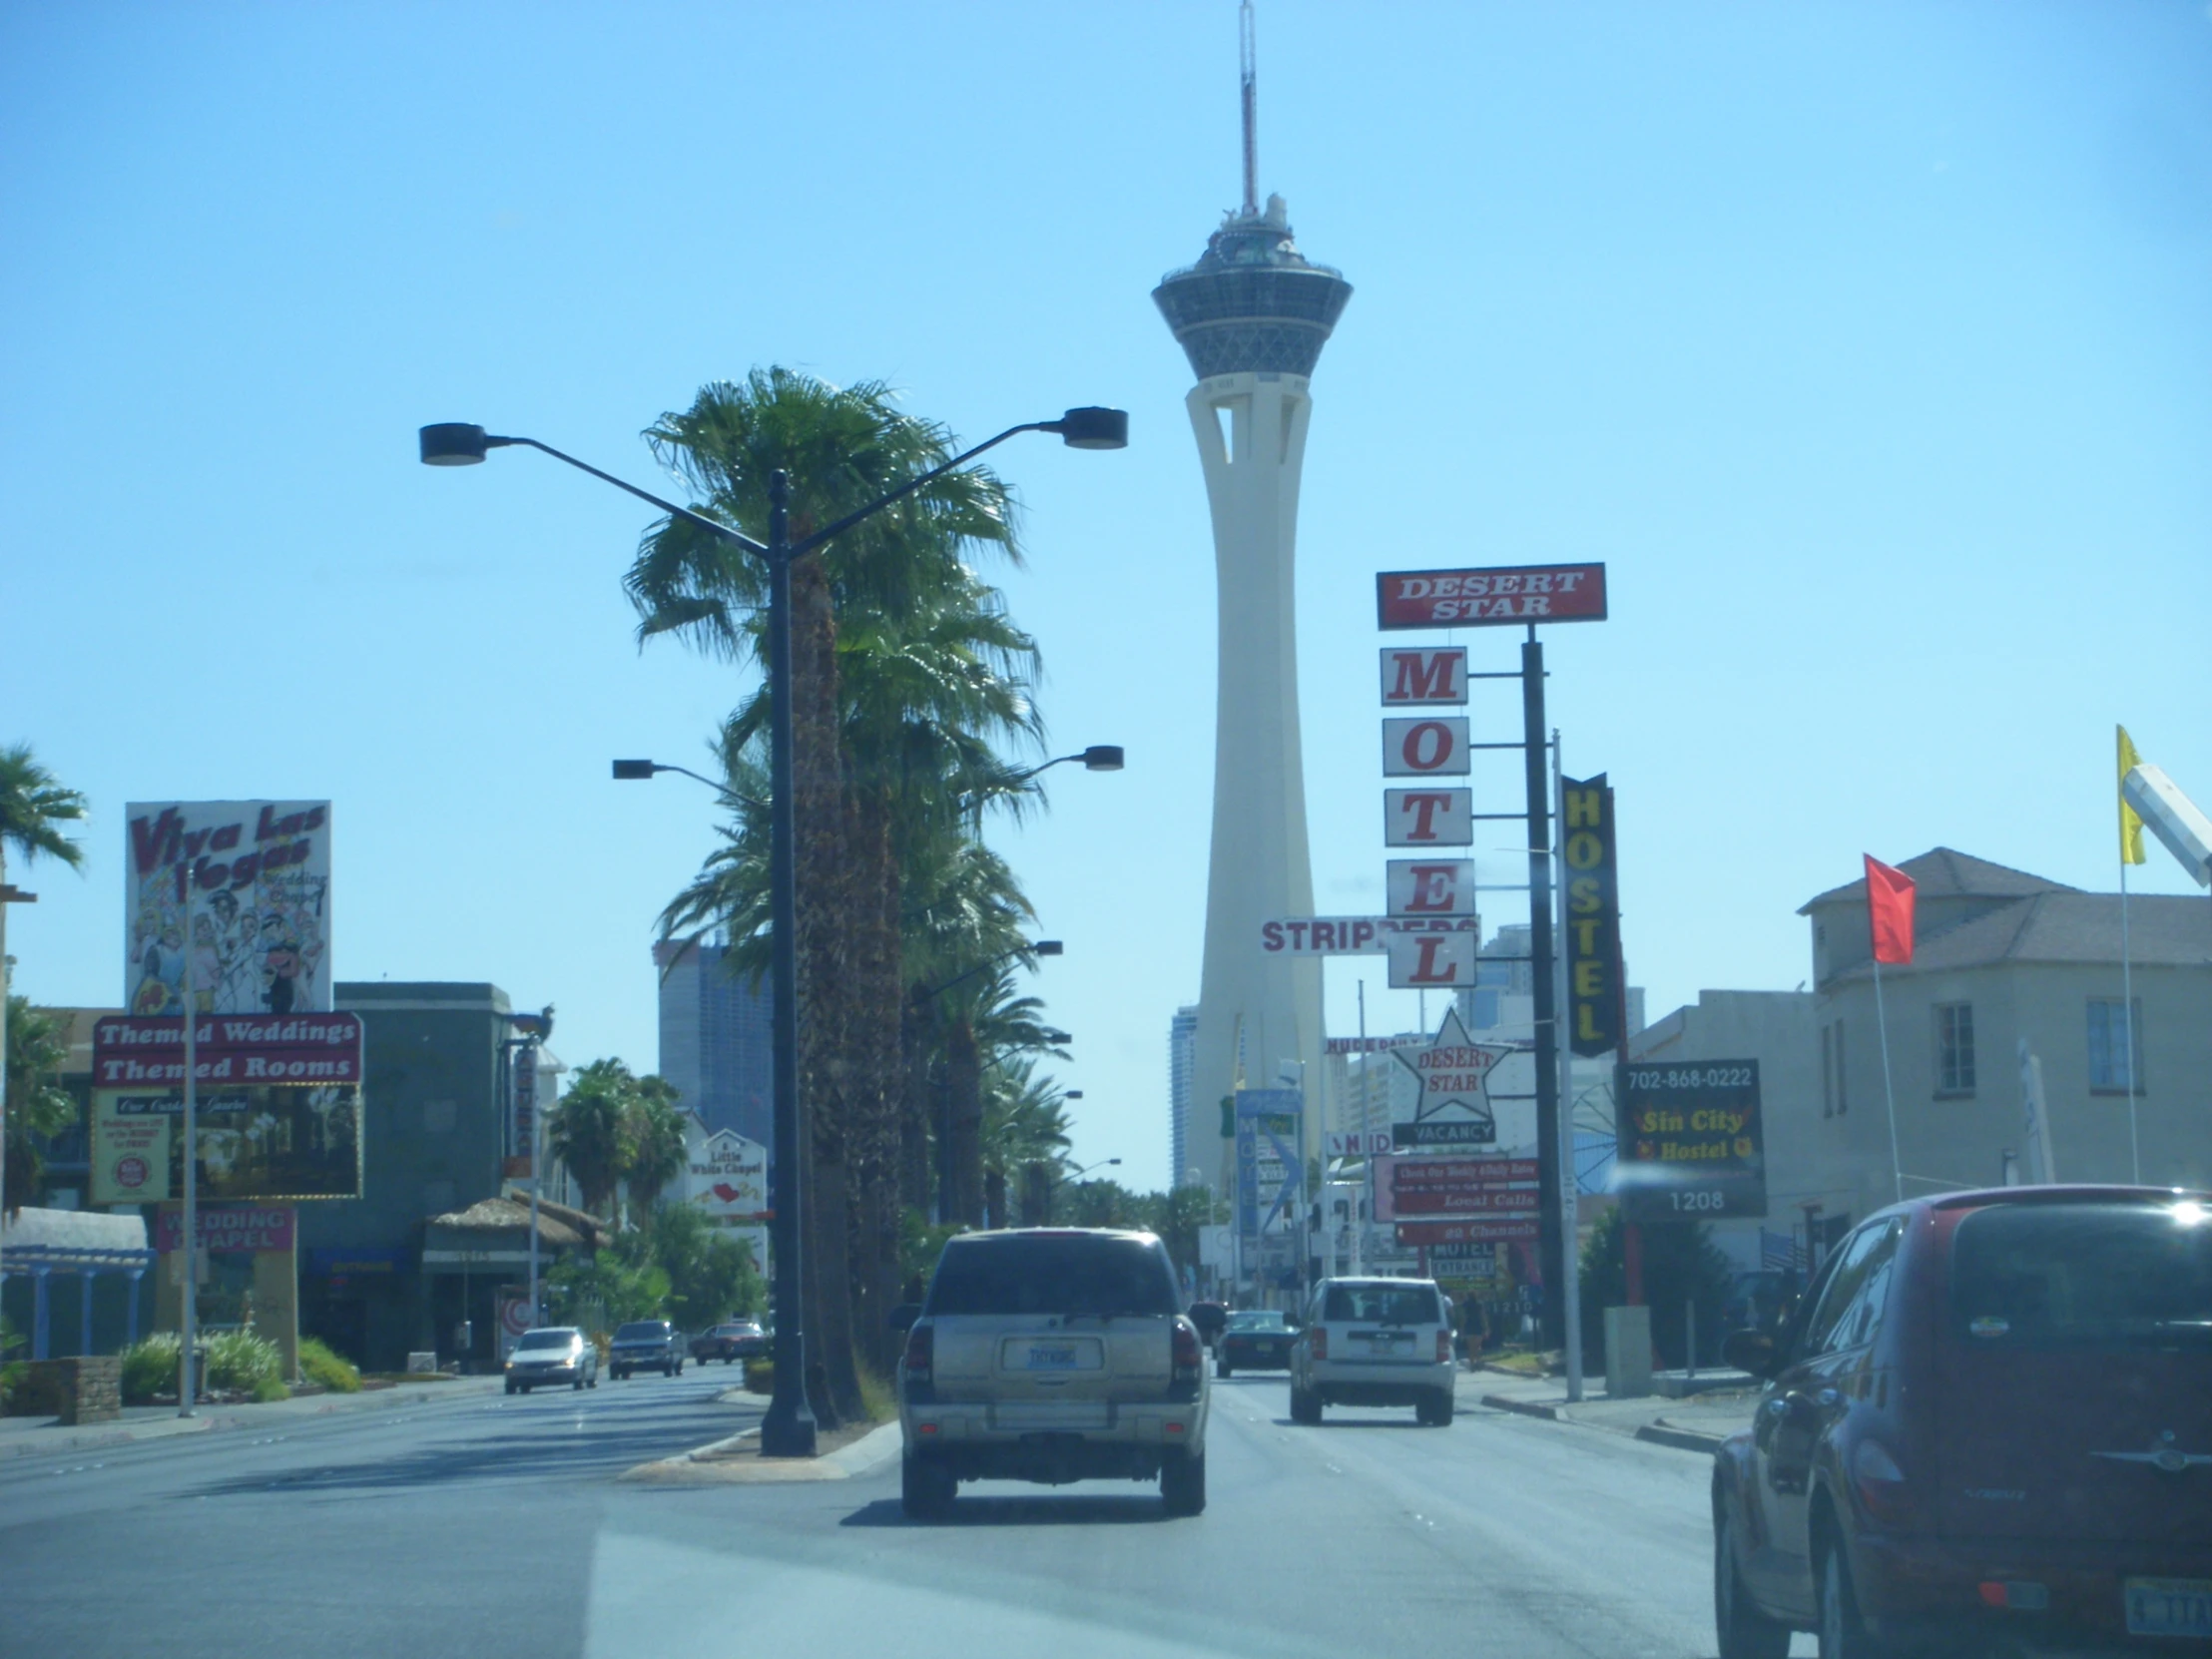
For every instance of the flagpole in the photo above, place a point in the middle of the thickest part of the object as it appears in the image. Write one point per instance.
(2128, 1022)
(1889, 1088)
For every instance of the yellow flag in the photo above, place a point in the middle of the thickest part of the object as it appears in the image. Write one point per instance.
(2132, 825)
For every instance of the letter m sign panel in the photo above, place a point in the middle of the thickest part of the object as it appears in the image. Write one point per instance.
(1425, 675)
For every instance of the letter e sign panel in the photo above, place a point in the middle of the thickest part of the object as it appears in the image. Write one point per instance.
(1429, 818)
(1433, 746)
(1424, 674)
(1431, 887)
(1431, 961)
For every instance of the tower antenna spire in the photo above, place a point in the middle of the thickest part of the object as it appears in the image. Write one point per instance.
(1250, 83)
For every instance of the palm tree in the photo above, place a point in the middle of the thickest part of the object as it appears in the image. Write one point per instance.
(655, 1152)
(37, 1105)
(589, 1130)
(33, 806)
(1025, 1129)
(901, 659)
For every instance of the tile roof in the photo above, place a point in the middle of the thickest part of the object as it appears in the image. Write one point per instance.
(2066, 926)
(1942, 873)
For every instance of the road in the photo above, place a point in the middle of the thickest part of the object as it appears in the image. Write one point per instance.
(494, 1527)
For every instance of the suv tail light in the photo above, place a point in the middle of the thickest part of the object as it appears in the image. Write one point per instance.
(1881, 1484)
(1443, 1348)
(922, 1356)
(1318, 1340)
(1188, 1355)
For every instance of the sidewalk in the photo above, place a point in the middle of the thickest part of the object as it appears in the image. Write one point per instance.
(1698, 1423)
(42, 1437)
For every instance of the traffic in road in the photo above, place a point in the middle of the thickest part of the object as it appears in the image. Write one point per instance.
(498, 1525)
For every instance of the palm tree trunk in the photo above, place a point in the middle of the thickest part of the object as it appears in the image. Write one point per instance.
(965, 1079)
(879, 1085)
(915, 1120)
(817, 804)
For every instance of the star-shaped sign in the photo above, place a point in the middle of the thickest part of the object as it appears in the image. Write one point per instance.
(1454, 1071)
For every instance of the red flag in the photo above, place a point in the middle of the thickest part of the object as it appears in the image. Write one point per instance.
(1890, 911)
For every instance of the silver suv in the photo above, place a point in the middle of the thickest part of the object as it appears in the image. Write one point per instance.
(1375, 1342)
(1052, 1356)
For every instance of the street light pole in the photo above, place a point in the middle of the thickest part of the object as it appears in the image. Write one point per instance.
(788, 1431)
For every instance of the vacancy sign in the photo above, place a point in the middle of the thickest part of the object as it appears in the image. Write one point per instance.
(1489, 598)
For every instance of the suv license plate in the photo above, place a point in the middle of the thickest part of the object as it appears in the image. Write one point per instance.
(1052, 1357)
(2169, 1606)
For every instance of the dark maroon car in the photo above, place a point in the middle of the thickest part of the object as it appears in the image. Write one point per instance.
(1988, 1426)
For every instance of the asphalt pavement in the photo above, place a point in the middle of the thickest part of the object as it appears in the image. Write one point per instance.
(488, 1525)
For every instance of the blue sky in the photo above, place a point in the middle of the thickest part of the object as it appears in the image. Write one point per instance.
(1867, 345)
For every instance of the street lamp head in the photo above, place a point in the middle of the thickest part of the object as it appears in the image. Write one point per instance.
(1059, 1036)
(1102, 756)
(1092, 428)
(1071, 1094)
(631, 771)
(454, 443)
(1116, 1161)
(1046, 947)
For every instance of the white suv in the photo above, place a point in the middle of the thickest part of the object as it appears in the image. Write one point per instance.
(1375, 1342)
(1052, 1356)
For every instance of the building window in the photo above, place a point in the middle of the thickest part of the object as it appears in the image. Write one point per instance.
(1955, 1048)
(2115, 1062)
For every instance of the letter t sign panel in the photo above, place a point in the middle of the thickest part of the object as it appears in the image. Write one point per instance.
(1429, 818)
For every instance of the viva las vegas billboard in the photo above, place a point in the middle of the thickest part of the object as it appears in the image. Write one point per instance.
(227, 911)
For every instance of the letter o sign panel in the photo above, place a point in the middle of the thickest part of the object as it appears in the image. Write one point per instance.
(1433, 746)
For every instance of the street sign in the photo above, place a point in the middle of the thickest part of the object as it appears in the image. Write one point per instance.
(1355, 1143)
(1691, 1148)
(1502, 595)
(1595, 1004)
(1487, 1230)
(1434, 746)
(1424, 1186)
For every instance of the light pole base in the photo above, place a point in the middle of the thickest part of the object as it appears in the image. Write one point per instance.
(788, 1428)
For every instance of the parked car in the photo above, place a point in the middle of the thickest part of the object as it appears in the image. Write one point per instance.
(730, 1341)
(551, 1355)
(1988, 1424)
(1052, 1356)
(1255, 1340)
(646, 1345)
(1375, 1342)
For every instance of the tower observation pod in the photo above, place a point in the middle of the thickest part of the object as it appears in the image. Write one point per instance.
(1252, 314)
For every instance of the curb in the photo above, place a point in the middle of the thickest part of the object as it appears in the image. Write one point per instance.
(717, 1464)
(230, 1418)
(1663, 1432)
(1525, 1407)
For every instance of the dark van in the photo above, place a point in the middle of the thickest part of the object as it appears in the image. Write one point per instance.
(1987, 1425)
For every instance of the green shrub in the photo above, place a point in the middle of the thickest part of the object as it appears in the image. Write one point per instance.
(318, 1362)
(242, 1362)
(11, 1382)
(760, 1377)
(149, 1368)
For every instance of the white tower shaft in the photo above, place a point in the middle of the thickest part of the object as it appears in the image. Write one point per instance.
(1254, 1013)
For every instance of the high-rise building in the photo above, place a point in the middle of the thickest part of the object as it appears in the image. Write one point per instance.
(1181, 1032)
(717, 1039)
(1252, 315)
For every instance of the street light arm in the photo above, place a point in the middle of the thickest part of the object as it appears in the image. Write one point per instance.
(921, 997)
(696, 520)
(846, 523)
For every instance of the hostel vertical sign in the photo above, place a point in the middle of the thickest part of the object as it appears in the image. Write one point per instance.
(1596, 1003)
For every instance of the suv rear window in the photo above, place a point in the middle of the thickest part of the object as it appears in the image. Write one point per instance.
(2084, 1276)
(647, 1331)
(1095, 1277)
(1382, 1304)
